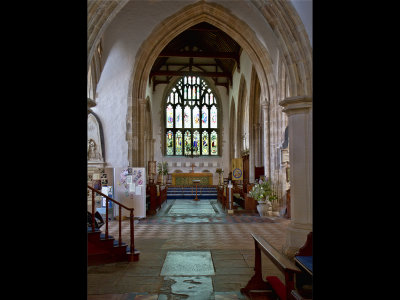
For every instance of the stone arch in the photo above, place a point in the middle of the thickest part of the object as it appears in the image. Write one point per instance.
(100, 14)
(172, 26)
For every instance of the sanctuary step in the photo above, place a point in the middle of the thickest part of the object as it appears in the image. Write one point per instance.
(190, 192)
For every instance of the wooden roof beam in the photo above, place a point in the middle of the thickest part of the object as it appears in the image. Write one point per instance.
(193, 73)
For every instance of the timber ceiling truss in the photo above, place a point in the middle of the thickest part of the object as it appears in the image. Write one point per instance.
(202, 50)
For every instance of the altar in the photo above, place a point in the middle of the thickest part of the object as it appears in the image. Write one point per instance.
(187, 178)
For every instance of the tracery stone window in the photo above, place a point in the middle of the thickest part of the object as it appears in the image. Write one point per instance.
(192, 113)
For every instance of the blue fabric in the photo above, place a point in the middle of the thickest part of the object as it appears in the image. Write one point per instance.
(307, 261)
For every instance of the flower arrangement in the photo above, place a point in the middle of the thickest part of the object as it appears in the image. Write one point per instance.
(261, 191)
(162, 168)
(219, 171)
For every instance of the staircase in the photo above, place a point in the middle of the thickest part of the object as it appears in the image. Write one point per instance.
(104, 248)
(176, 192)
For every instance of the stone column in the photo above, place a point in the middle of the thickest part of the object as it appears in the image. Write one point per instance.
(267, 156)
(257, 145)
(141, 141)
(299, 112)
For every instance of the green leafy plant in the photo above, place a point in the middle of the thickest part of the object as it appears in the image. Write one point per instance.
(219, 171)
(162, 168)
(273, 197)
(261, 190)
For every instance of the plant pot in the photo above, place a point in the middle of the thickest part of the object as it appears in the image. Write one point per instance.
(264, 208)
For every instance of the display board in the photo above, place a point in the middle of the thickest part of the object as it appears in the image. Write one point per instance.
(130, 190)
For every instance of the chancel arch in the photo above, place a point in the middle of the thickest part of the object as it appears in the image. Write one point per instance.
(191, 15)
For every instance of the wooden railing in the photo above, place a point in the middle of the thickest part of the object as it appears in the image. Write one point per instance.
(131, 220)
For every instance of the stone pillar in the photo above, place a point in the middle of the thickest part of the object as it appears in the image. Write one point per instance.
(257, 145)
(267, 156)
(141, 141)
(299, 112)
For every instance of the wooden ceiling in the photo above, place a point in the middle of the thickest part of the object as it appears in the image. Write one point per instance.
(202, 50)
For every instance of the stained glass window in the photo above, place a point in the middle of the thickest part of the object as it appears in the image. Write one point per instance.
(186, 118)
(214, 114)
(214, 143)
(178, 116)
(196, 117)
(178, 146)
(170, 143)
(188, 142)
(170, 116)
(191, 105)
(204, 117)
(205, 145)
(196, 143)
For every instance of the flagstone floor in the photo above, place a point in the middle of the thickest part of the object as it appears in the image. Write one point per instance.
(185, 259)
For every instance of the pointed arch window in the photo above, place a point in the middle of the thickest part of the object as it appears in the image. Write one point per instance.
(191, 114)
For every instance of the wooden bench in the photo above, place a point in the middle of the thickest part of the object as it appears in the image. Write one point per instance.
(273, 285)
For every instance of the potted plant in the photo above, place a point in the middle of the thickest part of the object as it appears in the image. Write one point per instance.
(261, 192)
(162, 169)
(219, 171)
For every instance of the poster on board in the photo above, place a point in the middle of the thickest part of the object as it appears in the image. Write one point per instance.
(130, 190)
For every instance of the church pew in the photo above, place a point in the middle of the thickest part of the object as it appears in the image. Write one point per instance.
(151, 195)
(304, 280)
(221, 196)
(273, 283)
(238, 195)
(163, 195)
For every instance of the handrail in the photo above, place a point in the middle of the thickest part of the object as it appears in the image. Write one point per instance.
(131, 216)
(111, 199)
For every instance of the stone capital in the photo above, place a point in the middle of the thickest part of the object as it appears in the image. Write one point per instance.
(298, 104)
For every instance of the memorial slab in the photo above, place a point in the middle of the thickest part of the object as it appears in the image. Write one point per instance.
(188, 263)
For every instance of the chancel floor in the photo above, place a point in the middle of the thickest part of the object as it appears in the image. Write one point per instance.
(189, 250)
